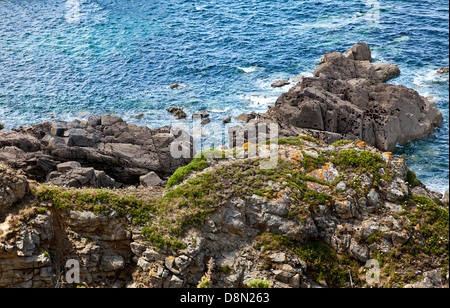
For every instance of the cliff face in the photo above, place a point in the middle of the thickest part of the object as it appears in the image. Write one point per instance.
(315, 220)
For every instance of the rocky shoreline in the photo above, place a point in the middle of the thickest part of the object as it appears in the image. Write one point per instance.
(95, 192)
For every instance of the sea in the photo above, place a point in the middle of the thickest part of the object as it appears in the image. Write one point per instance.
(67, 59)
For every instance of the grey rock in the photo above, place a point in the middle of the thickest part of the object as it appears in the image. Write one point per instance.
(109, 119)
(67, 166)
(112, 263)
(106, 143)
(445, 198)
(150, 179)
(360, 51)
(280, 83)
(246, 117)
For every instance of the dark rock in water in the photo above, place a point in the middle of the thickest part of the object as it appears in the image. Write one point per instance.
(178, 112)
(347, 100)
(200, 115)
(279, 83)
(175, 86)
(443, 70)
(106, 143)
(246, 117)
(205, 121)
(226, 120)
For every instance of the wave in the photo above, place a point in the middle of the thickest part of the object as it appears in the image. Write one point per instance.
(428, 78)
(261, 100)
(249, 69)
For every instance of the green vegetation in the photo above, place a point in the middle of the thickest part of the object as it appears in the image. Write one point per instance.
(432, 221)
(225, 269)
(364, 160)
(308, 138)
(180, 174)
(258, 284)
(412, 179)
(361, 162)
(342, 142)
(323, 262)
(205, 283)
(165, 217)
(427, 223)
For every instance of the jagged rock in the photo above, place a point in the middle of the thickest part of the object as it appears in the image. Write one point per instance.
(150, 179)
(226, 120)
(82, 177)
(175, 86)
(360, 51)
(67, 166)
(445, 198)
(346, 100)
(13, 187)
(246, 117)
(178, 112)
(355, 64)
(106, 143)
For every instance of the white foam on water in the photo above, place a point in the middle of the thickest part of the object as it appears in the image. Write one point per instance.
(259, 100)
(249, 69)
(402, 39)
(428, 78)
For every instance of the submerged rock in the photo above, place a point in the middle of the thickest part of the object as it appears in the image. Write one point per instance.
(280, 83)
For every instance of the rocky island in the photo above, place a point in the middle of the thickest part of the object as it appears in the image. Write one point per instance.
(338, 210)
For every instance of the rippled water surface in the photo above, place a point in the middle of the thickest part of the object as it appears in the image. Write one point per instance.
(67, 59)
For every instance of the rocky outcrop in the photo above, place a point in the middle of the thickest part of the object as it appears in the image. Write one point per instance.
(347, 99)
(355, 66)
(109, 150)
(343, 204)
(13, 187)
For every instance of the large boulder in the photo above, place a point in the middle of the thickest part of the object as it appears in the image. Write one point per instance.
(105, 143)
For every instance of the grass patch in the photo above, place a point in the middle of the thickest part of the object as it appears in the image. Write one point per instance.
(342, 142)
(197, 164)
(412, 179)
(323, 261)
(258, 284)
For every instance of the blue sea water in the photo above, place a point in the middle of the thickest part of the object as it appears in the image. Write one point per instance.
(66, 59)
